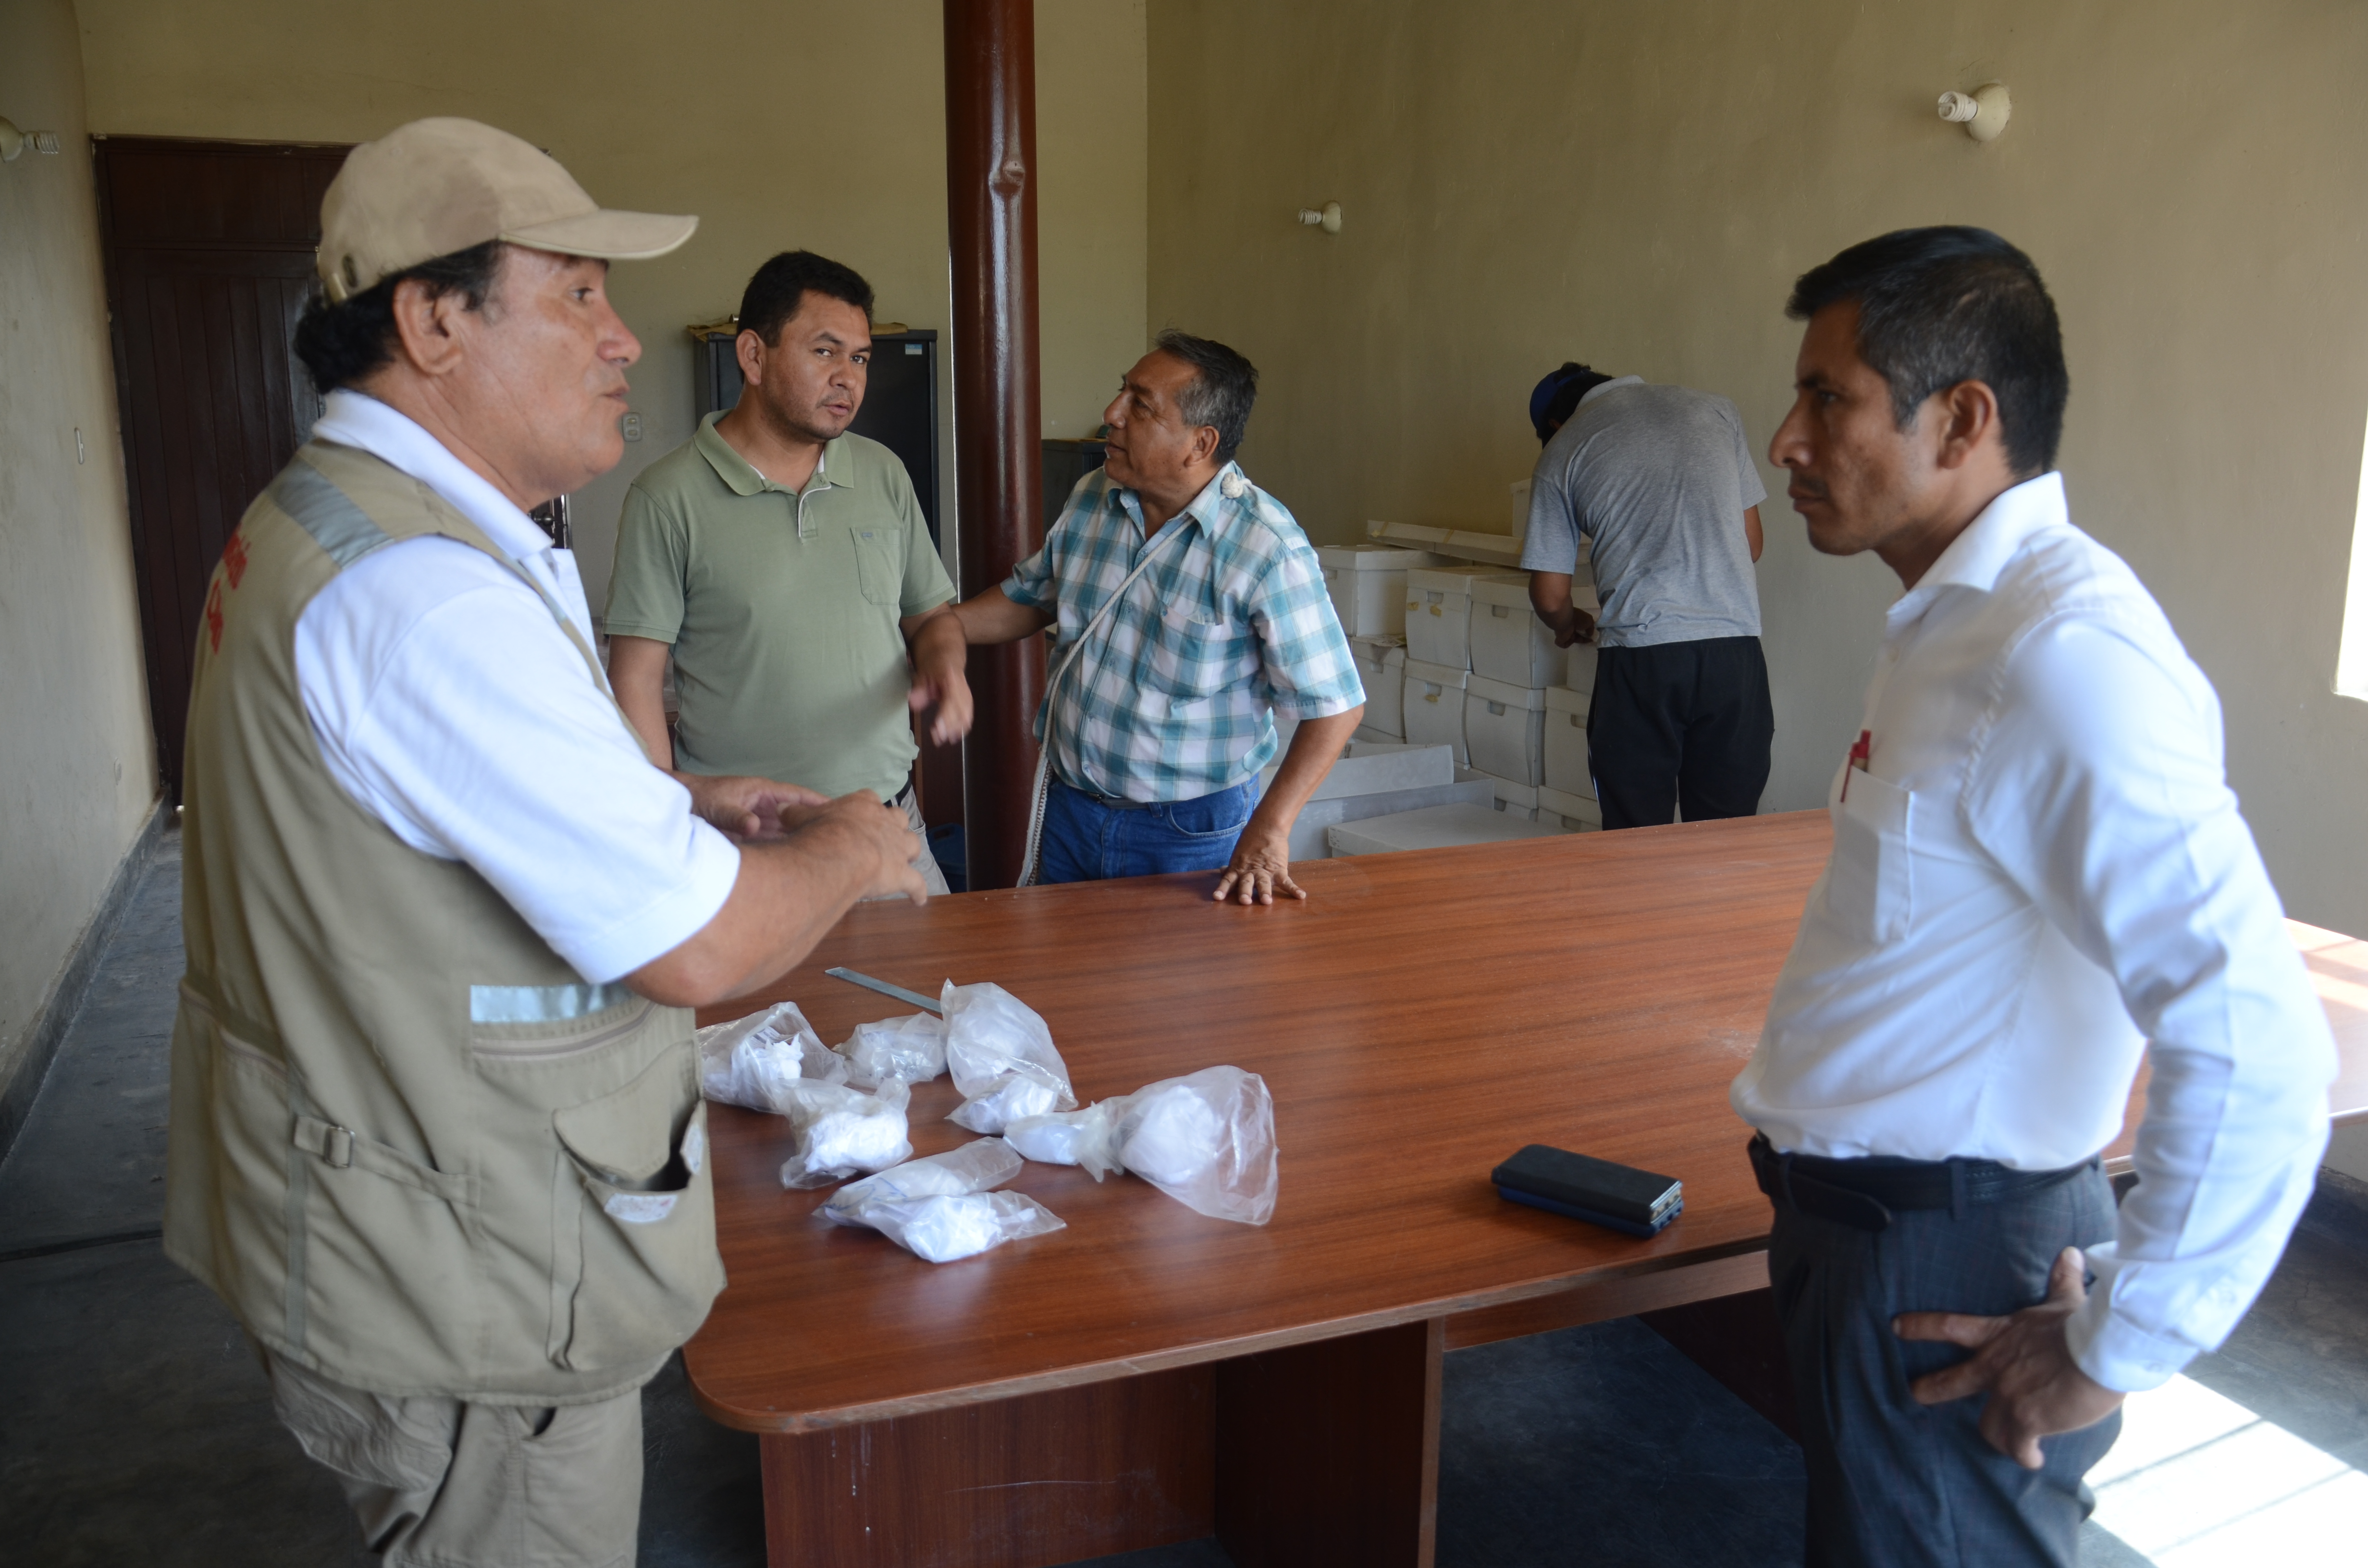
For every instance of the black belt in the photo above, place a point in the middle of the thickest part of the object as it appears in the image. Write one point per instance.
(1114, 803)
(1864, 1194)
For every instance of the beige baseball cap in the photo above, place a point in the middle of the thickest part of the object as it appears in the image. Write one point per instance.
(435, 187)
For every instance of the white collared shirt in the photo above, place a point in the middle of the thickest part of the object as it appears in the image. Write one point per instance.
(453, 708)
(2038, 873)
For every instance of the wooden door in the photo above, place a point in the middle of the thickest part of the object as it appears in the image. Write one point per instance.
(209, 249)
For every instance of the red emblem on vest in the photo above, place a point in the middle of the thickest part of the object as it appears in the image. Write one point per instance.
(213, 617)
(234, 557)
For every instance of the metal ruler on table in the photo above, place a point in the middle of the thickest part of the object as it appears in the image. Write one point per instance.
(928, 1003)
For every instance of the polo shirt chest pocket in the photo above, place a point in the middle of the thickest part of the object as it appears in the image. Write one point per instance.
(880, 565)
(1871, 892)
(1190, 655)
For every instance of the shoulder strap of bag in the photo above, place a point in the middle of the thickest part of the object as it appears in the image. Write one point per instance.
(1053, 704)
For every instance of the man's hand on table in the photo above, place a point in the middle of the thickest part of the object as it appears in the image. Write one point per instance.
(1261, 866)
(2021, 1362)
(750, 809)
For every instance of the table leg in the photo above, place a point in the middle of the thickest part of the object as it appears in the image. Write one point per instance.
(1327, 1453)
(1024, 1483)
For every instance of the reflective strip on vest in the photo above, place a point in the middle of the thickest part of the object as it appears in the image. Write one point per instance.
(541, 1003)
(342, 530)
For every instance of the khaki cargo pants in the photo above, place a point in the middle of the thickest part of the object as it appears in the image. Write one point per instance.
(443, 1484)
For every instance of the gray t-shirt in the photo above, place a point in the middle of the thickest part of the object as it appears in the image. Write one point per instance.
(1658, 478)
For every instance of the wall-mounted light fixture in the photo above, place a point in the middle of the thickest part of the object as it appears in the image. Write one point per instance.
(1327, 219)
(1983, 112)
(13, 141)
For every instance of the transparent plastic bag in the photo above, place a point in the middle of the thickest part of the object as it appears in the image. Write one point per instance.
(1206, 1140)
(912, 1048)
(1002, 1058)
(837, 1132)
(973, 1167)
(753, 1061)
(1087, 1137)
(943, 1229)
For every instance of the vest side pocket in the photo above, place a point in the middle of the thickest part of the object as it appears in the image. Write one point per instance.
(646, 1264)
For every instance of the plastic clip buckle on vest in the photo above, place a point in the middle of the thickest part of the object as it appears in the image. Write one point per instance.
(410, 1146)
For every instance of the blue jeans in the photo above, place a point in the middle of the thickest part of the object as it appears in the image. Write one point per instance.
(1086, 841)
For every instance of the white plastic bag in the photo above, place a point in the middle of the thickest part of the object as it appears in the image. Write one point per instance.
(912, 1048)
(943, 1229)
(838, 1131)
(1002, 1058)
(1206, 1140)
(973, 1167)
(753, 1061)
(1087, 1137)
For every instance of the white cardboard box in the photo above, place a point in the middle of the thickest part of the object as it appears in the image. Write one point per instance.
(1434, 706)
(1579, 670)
(1519, 801)
(1567, 767)
(1509, 641)
(1439, 613)
(1367, 582)
(1504, 729)
(1576, 812)
(1435, 827)
(1380, 665)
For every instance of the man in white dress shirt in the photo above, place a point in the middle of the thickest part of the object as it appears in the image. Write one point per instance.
(2038, 874)
(435, 1135)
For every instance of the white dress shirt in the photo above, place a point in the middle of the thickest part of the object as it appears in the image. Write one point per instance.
(452, 705)
(2039, 872)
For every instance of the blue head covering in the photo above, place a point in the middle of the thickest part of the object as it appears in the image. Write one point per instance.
(1541, 397)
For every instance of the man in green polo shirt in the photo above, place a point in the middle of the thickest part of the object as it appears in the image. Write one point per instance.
(785, 564)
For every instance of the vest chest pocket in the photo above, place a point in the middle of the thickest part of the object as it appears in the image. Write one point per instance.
(880, 565)
(634, 1222)
(1871, 892)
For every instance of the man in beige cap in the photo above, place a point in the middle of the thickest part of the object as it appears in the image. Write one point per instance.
(436, 1131)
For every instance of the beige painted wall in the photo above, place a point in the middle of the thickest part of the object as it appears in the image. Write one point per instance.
(77, 765)
(780, 122)
(1636, 186)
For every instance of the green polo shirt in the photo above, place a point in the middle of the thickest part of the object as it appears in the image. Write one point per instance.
(782, 607)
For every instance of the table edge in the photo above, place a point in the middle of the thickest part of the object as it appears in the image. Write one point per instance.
(792, 1422)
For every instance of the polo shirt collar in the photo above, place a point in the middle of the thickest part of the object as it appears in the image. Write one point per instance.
(1614, 384)
(741, 474)
(1975, 557)
(351, 418)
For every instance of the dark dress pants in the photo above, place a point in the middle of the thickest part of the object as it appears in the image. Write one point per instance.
(1893, 1484)
(1680, 724)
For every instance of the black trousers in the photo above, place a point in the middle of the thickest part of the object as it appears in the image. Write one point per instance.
(1680, 724)
(1893, 1484)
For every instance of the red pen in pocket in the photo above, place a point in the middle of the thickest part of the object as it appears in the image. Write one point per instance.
(1858, 753)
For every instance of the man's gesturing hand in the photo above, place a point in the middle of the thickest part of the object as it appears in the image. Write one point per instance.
(747, 808)
(2021, 1362)
(1260, 868)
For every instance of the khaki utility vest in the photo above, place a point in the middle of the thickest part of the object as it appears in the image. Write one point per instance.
(413, 1149)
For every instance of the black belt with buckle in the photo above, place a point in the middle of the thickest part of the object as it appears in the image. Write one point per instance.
(1865, 1194)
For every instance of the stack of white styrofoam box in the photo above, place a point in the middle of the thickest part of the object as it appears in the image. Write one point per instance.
(1504, 728)
(1566, 764)
(1435, 827)
(1439, 613)
(1434, 706)
(1579, 669)
(1367, 582)
(1380, 665)
(1509, 641)
(1374, 780)
(1578, 813)
(1518, 801)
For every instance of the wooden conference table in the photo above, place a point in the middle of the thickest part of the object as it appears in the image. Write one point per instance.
(1147, 1375)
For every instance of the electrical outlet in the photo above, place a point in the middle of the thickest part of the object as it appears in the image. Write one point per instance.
(633, 426)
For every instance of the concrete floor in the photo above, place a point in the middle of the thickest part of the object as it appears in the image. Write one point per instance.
(137, 1428)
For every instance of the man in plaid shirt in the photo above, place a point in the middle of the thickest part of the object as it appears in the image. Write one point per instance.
(1159, 731)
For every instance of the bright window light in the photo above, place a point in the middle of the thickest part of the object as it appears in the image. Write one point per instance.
(2351, 656)
(2198, 1480)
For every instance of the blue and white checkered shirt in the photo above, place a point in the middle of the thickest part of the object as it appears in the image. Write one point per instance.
(1227, 628)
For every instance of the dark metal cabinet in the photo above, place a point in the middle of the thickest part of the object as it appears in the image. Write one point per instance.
(900, 401)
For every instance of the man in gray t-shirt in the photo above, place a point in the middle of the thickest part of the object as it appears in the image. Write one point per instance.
(1661, 483)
